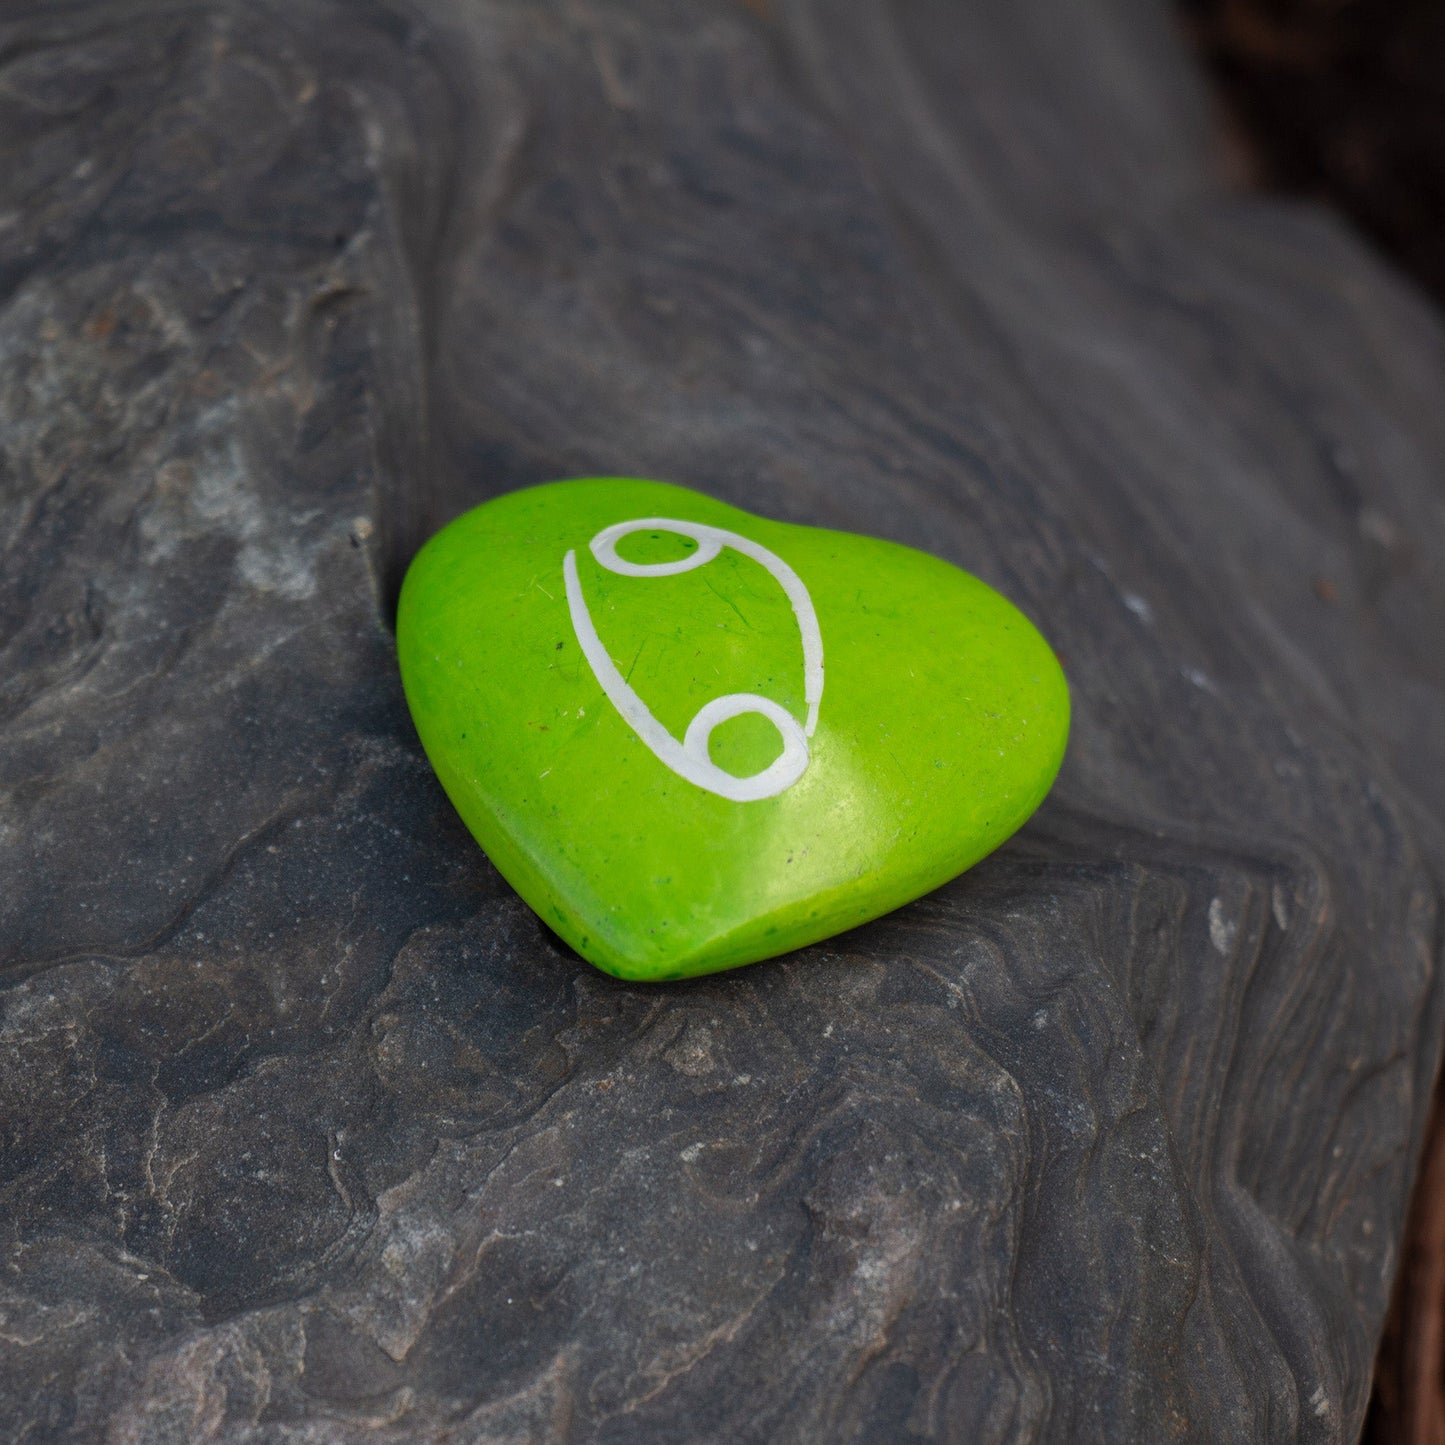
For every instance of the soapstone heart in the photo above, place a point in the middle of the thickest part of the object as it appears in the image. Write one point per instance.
(692, 738)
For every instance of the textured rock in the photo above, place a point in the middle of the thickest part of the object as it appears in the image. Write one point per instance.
(310, 1131)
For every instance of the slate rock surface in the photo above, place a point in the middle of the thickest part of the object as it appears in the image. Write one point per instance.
(311, 1132)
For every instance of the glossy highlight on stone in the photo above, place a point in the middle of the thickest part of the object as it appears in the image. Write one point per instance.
(692, 738)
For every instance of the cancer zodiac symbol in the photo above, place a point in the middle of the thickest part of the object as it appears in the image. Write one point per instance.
(689, 758)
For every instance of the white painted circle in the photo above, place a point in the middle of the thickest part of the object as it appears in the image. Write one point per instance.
(782, 772)
(604, 547)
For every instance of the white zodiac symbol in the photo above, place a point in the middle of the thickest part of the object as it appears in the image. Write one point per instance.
(689, 758)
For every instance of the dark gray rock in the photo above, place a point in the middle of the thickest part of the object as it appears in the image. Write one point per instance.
(311, 1132)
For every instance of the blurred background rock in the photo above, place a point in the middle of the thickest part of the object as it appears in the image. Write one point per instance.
(1343, 101)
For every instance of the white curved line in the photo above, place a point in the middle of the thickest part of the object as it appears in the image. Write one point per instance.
(710, 541)
(781, 773)
(689, 759)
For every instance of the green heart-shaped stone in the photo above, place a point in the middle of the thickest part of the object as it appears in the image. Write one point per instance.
(692, 738)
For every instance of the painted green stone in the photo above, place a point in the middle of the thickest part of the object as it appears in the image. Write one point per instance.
(692, 738)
